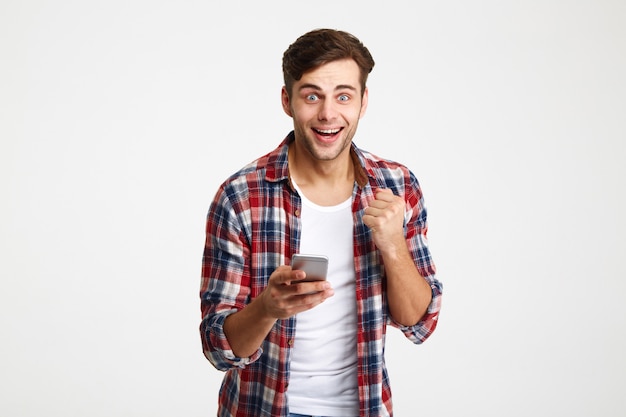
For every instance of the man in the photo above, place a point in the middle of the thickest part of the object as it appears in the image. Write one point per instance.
(315, 348)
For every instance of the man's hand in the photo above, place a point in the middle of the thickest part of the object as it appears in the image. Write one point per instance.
(283, 297)
(286, 296)
(385, 218)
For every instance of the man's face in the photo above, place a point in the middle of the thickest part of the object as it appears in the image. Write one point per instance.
(326, 106)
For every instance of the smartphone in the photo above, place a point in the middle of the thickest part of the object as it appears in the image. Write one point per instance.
(315, 266)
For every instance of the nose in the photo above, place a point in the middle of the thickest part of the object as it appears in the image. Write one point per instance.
(327, 111)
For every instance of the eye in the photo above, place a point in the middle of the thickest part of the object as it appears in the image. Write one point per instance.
(312, 97)
(344, 97)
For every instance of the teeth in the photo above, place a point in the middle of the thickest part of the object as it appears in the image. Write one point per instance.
(328, 131)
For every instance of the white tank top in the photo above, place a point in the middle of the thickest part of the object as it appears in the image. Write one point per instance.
(323, 367)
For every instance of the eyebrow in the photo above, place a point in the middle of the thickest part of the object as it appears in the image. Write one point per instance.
(318, 88)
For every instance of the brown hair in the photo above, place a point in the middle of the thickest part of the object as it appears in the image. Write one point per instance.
(321, 46)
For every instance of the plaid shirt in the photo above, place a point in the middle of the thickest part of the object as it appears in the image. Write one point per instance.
(253, 226)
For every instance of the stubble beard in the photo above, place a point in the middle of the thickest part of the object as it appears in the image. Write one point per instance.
(322, 153)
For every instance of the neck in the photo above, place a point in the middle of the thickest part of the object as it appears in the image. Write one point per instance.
(325, 183)
(305, 170)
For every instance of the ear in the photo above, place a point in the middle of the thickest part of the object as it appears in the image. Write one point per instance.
(284, 97)
(364, 101)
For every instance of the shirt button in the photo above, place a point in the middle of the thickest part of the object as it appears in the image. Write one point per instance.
(297, 213)
(290, 342)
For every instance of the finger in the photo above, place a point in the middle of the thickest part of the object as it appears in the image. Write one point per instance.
(313, 296)
(376, 206)
(297, 275)
(310, 287)
(384, 194)
(285, 275)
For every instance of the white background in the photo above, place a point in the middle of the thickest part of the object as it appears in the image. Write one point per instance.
(118, 120)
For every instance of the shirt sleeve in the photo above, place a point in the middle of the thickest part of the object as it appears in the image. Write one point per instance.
(417, 241)
(419, 332)
(225, 283)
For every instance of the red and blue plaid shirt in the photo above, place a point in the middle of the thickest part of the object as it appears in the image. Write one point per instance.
(253, 226)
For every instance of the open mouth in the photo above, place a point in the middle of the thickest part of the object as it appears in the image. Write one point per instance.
(327, 132)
